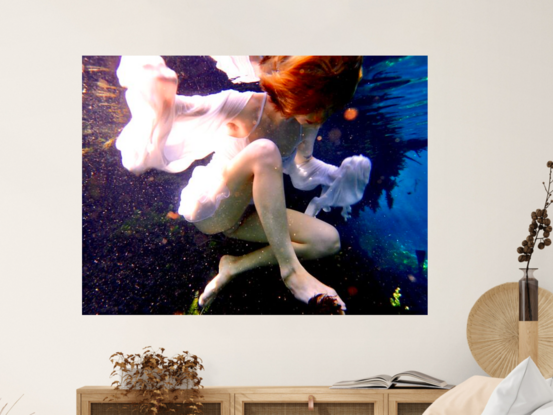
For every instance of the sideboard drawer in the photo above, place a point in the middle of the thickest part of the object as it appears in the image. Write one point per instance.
(301, 409)
(413, 401)
(297, 404)
(102, 403)
(111, 408)
(412, 408)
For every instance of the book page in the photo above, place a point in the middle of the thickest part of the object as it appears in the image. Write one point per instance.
(384, 378)
(419, 375)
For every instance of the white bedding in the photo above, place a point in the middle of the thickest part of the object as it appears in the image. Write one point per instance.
(523, 392)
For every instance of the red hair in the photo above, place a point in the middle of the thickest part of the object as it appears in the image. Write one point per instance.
(300, 85)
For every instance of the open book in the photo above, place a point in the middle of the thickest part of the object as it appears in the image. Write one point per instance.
(408, 379)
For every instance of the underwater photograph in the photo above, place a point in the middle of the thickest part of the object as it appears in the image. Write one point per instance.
(255, 185)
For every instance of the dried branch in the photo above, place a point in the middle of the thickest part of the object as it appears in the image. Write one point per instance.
(540, 222)
(9, 410)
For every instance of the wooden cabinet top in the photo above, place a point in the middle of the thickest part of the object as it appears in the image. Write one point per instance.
(278, 390)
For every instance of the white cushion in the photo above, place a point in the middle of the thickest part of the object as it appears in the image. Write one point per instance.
(546, 409)
(523, 391)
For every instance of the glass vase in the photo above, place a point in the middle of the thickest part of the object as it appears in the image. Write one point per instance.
(528, 296)
(528, 316)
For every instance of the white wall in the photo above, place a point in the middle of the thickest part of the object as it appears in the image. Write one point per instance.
(490, 130)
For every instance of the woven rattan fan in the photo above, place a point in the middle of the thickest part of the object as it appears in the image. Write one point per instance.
(492, 330)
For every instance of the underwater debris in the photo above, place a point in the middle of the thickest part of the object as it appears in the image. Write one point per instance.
(334, 135)
(91, 68)
(103, 94)
(351, 114)
(421, 259)
(102, 83)
(108, 144)
(194, 309)
(389, 197)
(395, 300)
(172, 215)
(324, 304)
(201, 239)
(352, 291)
(412, 159)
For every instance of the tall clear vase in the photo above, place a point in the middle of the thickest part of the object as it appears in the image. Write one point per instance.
(528, 316)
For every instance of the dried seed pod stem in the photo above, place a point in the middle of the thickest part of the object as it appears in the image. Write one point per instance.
(540, 215)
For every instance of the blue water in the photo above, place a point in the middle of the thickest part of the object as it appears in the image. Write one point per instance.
(406, 108)
(402, 86)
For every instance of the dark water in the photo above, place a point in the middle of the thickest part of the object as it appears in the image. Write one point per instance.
(139, 260)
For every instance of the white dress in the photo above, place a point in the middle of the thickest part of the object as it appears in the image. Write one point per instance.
(172, 138)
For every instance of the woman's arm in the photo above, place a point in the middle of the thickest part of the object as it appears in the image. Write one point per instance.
(308, 171)
(305, 148)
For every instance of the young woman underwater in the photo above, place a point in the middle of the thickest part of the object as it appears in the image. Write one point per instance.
(254, 138)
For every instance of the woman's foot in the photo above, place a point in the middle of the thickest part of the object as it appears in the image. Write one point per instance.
(218, 283)
(304, 287)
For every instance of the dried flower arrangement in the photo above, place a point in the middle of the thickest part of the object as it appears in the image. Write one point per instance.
(540, 222)
(158, 379)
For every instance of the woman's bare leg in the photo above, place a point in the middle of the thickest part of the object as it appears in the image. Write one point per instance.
(311, 239)
(259, 168)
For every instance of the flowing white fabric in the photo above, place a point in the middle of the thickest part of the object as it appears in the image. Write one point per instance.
(169, 135)
(239, 69)
(342, 186)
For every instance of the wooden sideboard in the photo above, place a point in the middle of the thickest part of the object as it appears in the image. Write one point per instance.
(287, 400)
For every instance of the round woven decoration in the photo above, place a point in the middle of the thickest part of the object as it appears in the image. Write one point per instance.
(492, 330)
